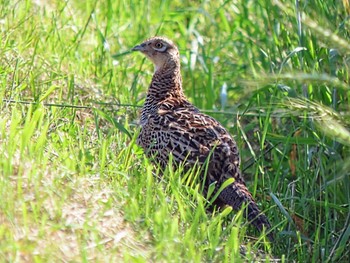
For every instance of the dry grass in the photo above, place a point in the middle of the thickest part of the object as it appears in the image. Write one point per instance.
(67, 207)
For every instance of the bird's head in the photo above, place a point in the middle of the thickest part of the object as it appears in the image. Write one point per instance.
(160, 51)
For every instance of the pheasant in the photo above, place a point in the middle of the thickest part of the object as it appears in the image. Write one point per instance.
(170, 124)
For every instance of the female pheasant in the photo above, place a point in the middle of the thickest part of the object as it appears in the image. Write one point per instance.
(170, 124)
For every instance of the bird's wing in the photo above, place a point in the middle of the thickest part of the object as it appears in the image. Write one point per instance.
(191, 137)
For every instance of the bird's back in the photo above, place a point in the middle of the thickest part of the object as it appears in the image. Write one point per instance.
(193, 137)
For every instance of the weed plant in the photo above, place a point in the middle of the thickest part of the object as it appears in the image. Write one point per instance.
(75, 187)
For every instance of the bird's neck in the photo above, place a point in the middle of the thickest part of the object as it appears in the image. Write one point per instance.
(165, 90)
(166, 83)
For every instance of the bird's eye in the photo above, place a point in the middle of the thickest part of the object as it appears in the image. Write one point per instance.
(159, 45)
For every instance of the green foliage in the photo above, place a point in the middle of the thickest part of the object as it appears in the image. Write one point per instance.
(75, 187)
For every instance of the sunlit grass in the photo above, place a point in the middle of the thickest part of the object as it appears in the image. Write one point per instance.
(75, 187)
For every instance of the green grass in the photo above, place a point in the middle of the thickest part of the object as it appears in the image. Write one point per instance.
(75, 187)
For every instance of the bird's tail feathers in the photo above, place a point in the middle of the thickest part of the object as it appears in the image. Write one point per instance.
(236, 196)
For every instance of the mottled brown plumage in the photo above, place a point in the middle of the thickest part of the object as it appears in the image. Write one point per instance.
(171, 124)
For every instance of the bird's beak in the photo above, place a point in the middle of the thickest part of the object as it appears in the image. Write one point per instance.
(138, 48)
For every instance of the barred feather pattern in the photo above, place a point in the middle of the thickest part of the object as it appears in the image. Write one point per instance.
(170, 124)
